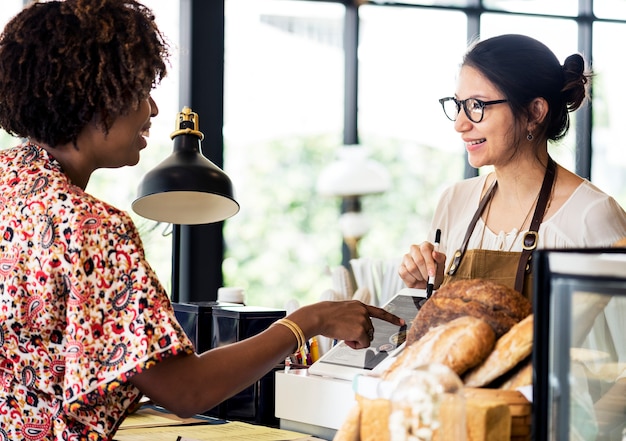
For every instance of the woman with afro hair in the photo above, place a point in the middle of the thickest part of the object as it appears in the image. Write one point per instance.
(86, 328)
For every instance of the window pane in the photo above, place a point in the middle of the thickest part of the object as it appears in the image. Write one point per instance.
(608, 169)
(119, 186)
(611, 9)
(402, 76)
(283, 121)
(552, 7)
(444, 3)
(560, 35)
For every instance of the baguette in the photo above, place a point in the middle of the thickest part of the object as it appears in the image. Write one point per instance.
(510, 349)
(521, 375)
(460, 344)
(498, 305)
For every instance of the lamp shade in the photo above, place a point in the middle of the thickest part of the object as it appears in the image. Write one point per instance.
(186, 188)
(353, 174)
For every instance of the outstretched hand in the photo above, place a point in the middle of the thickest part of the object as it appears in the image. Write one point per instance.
(346, 320)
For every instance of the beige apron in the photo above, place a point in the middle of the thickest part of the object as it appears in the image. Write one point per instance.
(510, 268)
(497, 266)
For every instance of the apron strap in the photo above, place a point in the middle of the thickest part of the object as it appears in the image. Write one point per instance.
(531, 237)
(458, 255)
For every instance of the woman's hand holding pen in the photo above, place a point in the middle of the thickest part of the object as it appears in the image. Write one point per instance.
(419, 263)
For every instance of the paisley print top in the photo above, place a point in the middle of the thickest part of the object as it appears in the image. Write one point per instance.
(81, 310)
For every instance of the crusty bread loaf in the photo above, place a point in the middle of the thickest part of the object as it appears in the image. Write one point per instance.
(519, 408)
(520, 375)
(459, 344)
(374, 418)
(488, 419)
(510, 349)
(498, 305)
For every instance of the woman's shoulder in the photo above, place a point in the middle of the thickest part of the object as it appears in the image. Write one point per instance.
(587, 201)
(576, 193)
(587, 193)
(589, 217)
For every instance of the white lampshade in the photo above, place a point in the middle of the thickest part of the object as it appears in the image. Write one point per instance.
(353, 224)
(353, 174)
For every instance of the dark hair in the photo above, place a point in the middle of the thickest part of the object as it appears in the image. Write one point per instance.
(64, 64)
(523, 69)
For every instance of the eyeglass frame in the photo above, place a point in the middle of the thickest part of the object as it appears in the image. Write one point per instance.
(463, 103)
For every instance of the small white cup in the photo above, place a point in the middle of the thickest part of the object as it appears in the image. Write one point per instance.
(231, 295)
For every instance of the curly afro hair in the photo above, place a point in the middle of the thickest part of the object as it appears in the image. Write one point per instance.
(65, 64)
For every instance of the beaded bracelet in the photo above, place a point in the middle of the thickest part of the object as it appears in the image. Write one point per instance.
(295, 329)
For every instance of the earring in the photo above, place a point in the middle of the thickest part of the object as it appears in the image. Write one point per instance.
(529, 136)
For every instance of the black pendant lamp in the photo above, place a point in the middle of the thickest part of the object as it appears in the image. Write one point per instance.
(186, 188)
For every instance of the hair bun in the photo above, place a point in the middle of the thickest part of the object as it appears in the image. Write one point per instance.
(576, 79)
(574, 66)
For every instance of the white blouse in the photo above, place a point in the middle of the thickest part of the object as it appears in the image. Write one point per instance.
(589, 218)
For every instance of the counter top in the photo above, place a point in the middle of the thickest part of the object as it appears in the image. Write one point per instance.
(155, 424)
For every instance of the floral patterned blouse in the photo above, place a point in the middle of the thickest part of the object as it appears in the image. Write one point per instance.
(81, 310)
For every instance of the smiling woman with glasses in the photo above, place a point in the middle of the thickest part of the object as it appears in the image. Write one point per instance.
(473, 107)
(491, 223)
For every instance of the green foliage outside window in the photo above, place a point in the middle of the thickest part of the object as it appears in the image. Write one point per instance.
(283, 219)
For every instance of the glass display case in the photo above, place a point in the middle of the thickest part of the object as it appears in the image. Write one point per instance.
(579, 356)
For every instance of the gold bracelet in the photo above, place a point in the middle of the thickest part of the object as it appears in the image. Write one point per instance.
(295, 329)
(295, 326)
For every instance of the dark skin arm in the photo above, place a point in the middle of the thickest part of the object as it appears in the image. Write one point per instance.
(191, 384)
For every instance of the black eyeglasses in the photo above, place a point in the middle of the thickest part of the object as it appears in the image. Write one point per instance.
(473, 107)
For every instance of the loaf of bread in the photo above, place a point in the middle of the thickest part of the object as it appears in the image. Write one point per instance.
(521, 375)
(459, 344)
(519, 408)
(374, 418)
(498, 305)
(510, 349)
(488, 419)
(482, 331)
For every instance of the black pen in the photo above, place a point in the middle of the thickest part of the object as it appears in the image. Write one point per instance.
(431, 279)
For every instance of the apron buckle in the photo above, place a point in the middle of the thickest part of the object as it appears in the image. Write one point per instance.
(530, 240)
